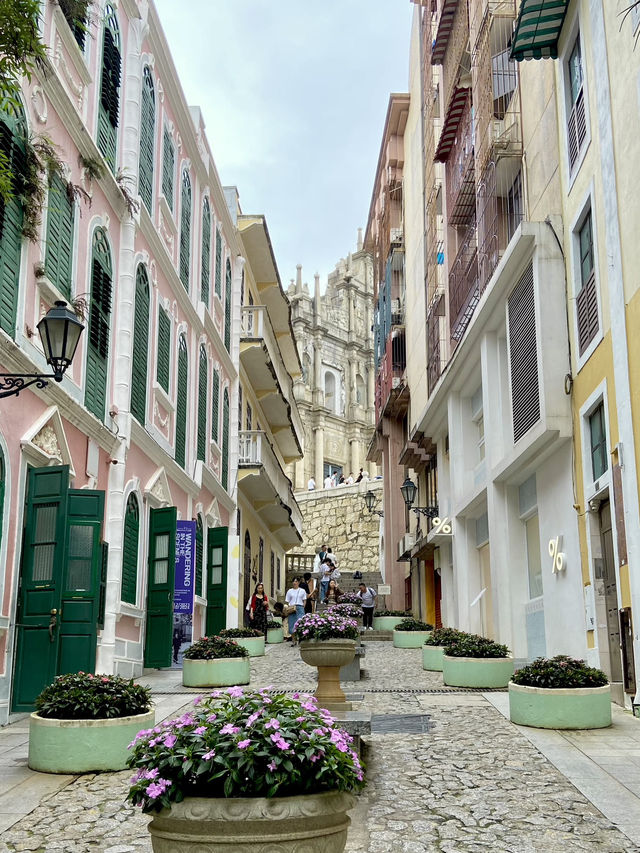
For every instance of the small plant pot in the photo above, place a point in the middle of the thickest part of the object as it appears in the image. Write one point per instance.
(409, 639)
(254, 645)
(560, 708)
(476, 672)
(386, 623)
(218, 672)
(83, 746)
(275, 635)
(432, 658)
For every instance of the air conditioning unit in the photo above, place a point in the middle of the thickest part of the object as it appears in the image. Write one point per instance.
(406, 544)
(396, 235)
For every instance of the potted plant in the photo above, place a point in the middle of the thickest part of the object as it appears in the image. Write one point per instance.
(434, 645)
(560, 693)
(250, 638)
(386, 620)
(473, 661)
(349, 611)
(275, 634)
(83, 723)
(327, 642)
(350, 598)
(411, 633)
(247, 771)
(215, 662)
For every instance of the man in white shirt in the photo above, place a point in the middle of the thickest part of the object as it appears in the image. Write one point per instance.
(311, 485)
(328, 482)
(295, 597)
(368, 598)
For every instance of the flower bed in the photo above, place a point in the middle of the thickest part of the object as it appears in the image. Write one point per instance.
(249, 638)
(275, 634)
(84, 696)
(326, 626)
(215, 662)
(386, 620)
(411, 633)
(349, 611)
(350, 598)
(434, 645)
(473, 661)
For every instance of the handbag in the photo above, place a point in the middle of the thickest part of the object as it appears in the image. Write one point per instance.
(288, 609)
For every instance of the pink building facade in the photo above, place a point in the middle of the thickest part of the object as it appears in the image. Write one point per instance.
(95, 471)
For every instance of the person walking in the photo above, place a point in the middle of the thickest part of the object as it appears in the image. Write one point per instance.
(368, 598)
(311, 485)
(326, 568)
(334, 593)
(295, 597)
(258, 609)
(328, 482)
(319, 558)
(309, 586)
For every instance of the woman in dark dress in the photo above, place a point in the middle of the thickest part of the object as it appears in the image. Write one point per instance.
(259, 608)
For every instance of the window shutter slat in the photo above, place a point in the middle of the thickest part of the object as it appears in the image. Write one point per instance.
(215, 405)
(140, 347)
(225, 439)
(227, 308)
(206, 252)
(181, 403)
(185, 231)
(218, 283)
(99, 326)
(109, 106)
(525, 394)
(168, 168)
(129, 581)
(147, 136)
(164, 349)
(59, 239)
(11, 221)
(202, 405)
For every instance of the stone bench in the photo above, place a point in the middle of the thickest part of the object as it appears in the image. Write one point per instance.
(351, 672)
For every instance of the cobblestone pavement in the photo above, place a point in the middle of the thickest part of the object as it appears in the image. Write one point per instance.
(471, 783)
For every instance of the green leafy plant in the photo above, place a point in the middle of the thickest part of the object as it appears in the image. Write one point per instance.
(326, 626)
(237, 744)
(246, 633)
(473, 646)
(126, 185)
(92, 167)
(84, 696)
(560, 671)
(444, 637)
(411, 624)
(403, 613)
(350, 598)
(209, 648)
(274, 626)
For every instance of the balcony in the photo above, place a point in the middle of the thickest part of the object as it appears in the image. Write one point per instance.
(460, 171)
(390, 399)
(262, 360)
(463, 283)
(264, 484)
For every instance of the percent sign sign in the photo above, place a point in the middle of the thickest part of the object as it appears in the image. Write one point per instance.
(558, 559)
(442, 525)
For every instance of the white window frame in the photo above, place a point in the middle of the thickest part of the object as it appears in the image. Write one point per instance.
(587, 206)
(604, 482)
(573, 31)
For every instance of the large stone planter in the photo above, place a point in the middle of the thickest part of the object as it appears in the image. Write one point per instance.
(313, 823)
(219, 672)
(476, 672)
(560, 708)
(432, 658)
(386, 623)
(409, 639)
(275, 635)
(83, 746)
(254, 645)
(328, 656)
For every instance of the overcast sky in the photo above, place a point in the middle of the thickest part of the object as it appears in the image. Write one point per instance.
(294, 96)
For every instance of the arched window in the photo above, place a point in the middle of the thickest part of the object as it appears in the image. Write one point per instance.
(218, 263)
(140, 347)
(205, 274)
(59, 246)
(95, 392)
(215, 404)
(227, 307)
(203, 381)
(225, 439)
(109, 106)
(181, 402)
(147, 139)
(13, 134)
(360, 392)
(330, 391)
(185, 230)
(199, 554)
(129, 583)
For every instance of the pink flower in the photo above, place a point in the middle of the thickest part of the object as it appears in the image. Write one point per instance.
(235, 692)
(170, 741)
(251, 720)
(271, 765)
(156, 789)
(243, 744)
(272, 724)
(151, 774)
(229, 729)
(200, 730)
(105, 680)
(197, 700)
(212, 717)
(208, 755)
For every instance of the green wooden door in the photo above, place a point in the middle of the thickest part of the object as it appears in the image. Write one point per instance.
(217, 547)
(162, 569)
(60, 572)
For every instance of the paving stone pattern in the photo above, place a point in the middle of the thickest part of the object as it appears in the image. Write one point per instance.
(471, 783)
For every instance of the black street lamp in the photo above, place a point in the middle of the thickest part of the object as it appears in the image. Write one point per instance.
(409, 491)
(59, 332)
(370, 501)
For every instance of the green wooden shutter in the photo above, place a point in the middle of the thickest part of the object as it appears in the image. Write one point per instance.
(109, 106)
(59, 246)
(102, 598)
(130, 542)
(185, 230)
(205, 277)
(215, 405)
(181, 402)
(168, 168)
(147, 137)
(12, 146)
(76, 15)
(217, 547)
(202, 404)
(140, 347)
(218, 263)
(225, 439)
(227, 307)
(164, 349)
(199, 554)
(99, 326)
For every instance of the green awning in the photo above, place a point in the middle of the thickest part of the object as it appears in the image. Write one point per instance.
(538, 29)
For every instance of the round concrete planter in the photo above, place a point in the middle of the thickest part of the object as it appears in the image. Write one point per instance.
(476, 672)
(409, 639)
(386, 623)
(254, 645)
(219, 672)
(560, 708)
(313, 823)
(432, 658)
(328, 656)
(83, 746)
(275, 635)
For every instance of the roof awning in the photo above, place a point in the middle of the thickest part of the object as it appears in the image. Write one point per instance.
(451, 123)
(538, 29)
(445, 25)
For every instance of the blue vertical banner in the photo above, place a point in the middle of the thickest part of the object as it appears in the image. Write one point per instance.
(183, 588)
